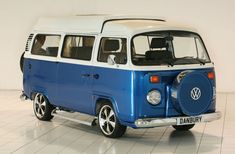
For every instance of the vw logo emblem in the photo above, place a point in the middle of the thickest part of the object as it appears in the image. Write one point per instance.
(195, 93)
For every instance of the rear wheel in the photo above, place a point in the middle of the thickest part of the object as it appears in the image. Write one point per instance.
(42, 108)
(183, 127)
(108, 122)
(22, 62)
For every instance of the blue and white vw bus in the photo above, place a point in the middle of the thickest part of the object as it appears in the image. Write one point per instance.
(140, 72)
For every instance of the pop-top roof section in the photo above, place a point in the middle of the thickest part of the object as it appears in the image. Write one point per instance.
(92, 23)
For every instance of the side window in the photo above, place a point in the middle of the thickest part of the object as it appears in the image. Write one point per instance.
(78, 47)
(46, 45)
(113, 46)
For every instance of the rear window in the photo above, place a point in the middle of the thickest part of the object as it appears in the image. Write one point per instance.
(46, 45)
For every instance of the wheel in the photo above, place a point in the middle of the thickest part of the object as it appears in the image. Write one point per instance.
(108, 122)
(42, 108)
(22, 62)
(183, 127)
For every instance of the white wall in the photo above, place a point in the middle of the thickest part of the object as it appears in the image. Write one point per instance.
(215, 19)
(16, 21)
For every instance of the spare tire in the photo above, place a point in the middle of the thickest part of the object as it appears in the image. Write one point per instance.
(191, 93)
(22, 62)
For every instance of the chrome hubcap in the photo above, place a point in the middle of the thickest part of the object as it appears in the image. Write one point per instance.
(107, 119)
(39, 105)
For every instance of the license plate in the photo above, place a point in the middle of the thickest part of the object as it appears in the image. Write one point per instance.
(188, 120)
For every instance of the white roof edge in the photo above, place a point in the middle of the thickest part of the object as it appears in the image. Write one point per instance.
(124, 17)
(94, 24)
(65, 23)
(188, 29)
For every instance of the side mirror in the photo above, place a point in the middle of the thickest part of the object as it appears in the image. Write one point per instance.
(111, 60)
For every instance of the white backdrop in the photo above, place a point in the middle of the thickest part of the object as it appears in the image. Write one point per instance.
(215, 20)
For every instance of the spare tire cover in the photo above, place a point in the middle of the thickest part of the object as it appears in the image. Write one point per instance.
(191, 93)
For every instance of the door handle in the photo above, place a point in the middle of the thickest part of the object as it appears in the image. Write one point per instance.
(96, 76)
(86, 75)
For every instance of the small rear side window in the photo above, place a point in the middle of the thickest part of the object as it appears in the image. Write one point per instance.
(46, 45)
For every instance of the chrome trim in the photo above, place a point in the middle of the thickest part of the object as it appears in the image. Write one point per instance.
(156, 122)
(58, 113)
(107, 120)
(40, 105)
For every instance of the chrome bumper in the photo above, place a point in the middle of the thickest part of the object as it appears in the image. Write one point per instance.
(155, 122)
(23, 97)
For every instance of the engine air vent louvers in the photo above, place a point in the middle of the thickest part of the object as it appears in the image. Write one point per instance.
(28, 42)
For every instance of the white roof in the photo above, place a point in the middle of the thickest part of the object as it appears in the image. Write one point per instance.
(95, 24)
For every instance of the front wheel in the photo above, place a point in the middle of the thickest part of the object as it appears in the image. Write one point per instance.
(42, 108)
(108, 122)
(183, 127)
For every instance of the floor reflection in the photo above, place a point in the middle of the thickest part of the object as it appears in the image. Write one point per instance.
(186, 136)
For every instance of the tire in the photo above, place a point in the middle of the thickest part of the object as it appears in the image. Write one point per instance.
(109, 123)
(22, 62)
(42, 108)
(183, 127)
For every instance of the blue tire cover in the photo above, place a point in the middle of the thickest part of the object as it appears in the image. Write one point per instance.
(192, 94)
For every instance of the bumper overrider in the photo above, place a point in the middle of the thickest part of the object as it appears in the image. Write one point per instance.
(23, 96)
(184, 120)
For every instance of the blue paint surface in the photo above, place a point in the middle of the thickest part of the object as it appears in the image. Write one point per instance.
(76, 88)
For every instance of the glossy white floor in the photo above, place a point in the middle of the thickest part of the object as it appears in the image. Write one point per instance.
(21, 132)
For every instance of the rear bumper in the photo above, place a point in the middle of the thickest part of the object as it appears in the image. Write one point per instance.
(23, 96)
(156, 122)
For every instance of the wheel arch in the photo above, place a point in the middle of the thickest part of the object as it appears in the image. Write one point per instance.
(41, 91)
(99, 100)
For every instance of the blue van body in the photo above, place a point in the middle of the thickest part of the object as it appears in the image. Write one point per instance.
(66, 85)
(137, 72)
